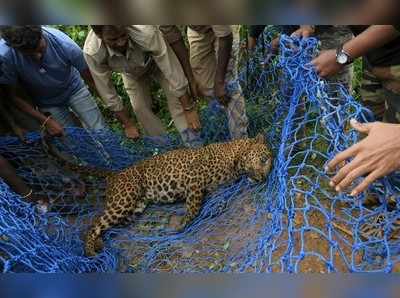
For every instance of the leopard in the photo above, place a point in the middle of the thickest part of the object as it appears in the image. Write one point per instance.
(186, 174)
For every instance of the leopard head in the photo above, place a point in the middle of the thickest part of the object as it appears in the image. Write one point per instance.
(255, 158)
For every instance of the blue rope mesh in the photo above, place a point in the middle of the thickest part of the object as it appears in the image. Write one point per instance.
(291, 223)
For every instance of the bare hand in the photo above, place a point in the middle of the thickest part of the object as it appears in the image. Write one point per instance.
(131, 132)
(54, 128)
(220, 93)
(193, 120)
(304, 31)
(375, 156)
(325, 64)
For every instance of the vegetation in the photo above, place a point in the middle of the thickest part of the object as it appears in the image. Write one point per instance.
(357, 77)
(78, 34)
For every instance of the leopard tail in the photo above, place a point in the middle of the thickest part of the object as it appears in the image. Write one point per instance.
(84, 170)
(93, 242)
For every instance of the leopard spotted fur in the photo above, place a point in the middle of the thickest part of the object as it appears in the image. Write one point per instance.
(184, 174)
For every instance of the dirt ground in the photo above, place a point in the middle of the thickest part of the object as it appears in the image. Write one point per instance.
(223, 247)
(220, 246)
(314, 242)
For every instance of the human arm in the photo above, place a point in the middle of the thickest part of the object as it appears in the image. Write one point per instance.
(376, 156)
(8, 173)
(173, 72)
(8, 117)
(9, 80)
(373, 37)
(174, 38)
(100, 75)
(87, 77)
(223, 57)
(51, 125)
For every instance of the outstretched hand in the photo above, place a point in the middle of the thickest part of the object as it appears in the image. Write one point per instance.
(193, 119)
(375, 156)
(54, 128)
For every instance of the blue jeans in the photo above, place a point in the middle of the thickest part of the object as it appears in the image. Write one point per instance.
(83, 106)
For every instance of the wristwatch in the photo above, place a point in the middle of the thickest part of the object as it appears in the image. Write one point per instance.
(342, 57)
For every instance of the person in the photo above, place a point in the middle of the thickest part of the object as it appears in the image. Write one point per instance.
(173, 36)
(254, 32)
(7, 171)
(377, 155)
(379, 45)
(141, 54)
(330, 37)
(9, 175)
(213, 59)
(33, 120)
(50, 67)
(7, 115)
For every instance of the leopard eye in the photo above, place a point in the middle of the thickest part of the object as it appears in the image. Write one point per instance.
(264, 159)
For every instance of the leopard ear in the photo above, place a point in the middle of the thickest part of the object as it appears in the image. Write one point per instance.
(259, 139)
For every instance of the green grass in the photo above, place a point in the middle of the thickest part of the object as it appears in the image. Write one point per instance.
(357, 77)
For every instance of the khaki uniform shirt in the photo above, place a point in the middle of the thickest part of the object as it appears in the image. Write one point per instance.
(173, 34)
(146, 49)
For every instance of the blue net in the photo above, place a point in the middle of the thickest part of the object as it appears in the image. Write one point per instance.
(293, 222)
